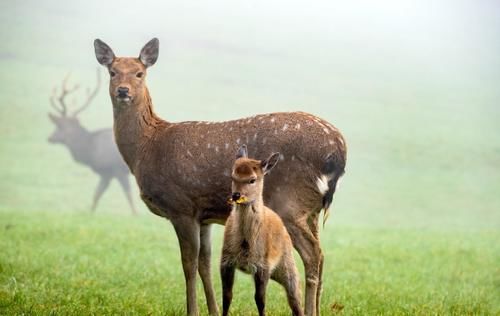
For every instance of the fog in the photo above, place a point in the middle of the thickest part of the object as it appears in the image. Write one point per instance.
(414, 86)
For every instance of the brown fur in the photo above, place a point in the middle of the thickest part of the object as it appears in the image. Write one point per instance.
(183, 170)
(256, 241)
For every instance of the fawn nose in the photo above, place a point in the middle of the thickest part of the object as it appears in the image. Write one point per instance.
(122, 91)
(236, 196)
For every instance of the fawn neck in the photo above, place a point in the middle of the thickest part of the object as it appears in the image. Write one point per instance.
(134, 125)
(250, 218)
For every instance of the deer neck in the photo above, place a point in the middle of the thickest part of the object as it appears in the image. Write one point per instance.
(250, 217)
(134, 125)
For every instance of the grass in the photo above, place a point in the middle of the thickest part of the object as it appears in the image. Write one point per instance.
(76, 263)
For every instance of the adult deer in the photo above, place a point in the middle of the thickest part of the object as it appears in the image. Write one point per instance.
(95, 149)
(183, 169)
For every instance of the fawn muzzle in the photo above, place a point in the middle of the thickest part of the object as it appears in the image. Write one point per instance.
(236, 196)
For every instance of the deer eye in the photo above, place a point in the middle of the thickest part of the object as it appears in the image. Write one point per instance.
(112, 73)
(252, 181)
(139, 74)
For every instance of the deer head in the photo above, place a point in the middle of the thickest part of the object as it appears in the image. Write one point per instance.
(248, 176)
(68, 126)
(127, 74)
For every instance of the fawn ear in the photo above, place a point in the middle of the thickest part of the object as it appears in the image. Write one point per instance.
(149, 53)
(103, 53)
(242, 152)
(53, 118)
(270, 162)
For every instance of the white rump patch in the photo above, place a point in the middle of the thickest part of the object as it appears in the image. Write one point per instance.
(338, 183)
(297, 126)
(322, 184)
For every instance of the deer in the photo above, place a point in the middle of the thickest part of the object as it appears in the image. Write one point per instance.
(255, 238)
(183, 170)
(94, 149)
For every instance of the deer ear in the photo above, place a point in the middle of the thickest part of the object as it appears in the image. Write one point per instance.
(53, 118)
(149, 53)
(270, 162)
(103, 53)
(242, 152)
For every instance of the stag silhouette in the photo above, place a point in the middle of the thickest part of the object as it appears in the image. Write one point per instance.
(94, 149)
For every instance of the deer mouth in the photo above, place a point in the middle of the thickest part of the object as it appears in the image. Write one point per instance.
(241, 200)
(123, 98)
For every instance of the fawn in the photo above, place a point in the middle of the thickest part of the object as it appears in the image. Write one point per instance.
(255, 238)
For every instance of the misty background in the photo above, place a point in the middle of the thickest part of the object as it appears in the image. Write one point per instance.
(413, 85)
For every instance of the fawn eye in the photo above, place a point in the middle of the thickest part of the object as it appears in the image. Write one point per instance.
(112, 73)
(139, 74)
(252, 181)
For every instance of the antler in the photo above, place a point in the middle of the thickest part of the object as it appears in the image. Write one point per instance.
(90, 94)
(62, 108)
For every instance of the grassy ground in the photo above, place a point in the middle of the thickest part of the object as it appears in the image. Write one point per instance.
(77, 263)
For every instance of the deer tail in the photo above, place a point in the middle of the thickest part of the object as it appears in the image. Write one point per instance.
(333, 169)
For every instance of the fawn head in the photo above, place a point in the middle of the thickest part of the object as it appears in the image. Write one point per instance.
(248, 176)
(127, 74)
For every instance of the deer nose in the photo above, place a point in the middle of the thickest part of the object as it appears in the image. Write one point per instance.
(122, 91)
(236, 196)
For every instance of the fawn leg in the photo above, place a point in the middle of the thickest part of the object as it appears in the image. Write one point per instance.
(261, 278)
(227, 276)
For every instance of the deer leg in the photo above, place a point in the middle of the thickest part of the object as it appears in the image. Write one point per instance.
(204, 268)
(313, 226)
(227, 277)
(188, 233)
(288, 277)
(101, 187)
(125, 184)
(309, 250)
(261, 278)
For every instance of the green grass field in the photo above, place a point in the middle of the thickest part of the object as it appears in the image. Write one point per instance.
(112, 264)
(415, 226)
